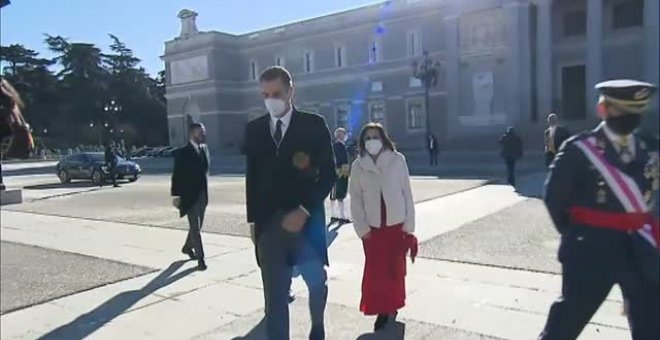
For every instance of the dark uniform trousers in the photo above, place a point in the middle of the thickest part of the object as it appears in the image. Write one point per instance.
(587, 280)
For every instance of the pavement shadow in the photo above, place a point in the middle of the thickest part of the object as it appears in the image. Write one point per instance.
(258, 332)
(86, 324)
(531, 185)
(397, 331)
(71, 185)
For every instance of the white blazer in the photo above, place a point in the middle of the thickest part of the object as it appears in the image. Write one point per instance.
(389, 176)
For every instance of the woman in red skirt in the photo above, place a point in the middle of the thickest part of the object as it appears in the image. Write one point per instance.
(384, 218)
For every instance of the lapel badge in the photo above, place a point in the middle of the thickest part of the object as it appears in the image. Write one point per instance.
(601, 196)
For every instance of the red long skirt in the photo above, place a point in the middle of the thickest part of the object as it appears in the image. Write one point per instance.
(383, 281)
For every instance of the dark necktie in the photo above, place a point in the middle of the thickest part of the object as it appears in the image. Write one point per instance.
(278, 132)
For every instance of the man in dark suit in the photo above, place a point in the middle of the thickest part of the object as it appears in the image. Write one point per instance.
(190, 189)
(339, 191)
(111, 161)
(555, 135)
(433, 148)
(511, 150)
(600, 194)
(290, 171)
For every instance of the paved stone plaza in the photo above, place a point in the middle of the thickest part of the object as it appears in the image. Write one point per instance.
(79, 261)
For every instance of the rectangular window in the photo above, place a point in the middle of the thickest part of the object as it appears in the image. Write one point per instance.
(374, 50)
(628, 14)
(414, 44)
(377, 112)
(575, 23)
(340, 56)
(253, 70)
(574, 97)
(279, 61)
(415, 115)
(308, 61)
(342, 117)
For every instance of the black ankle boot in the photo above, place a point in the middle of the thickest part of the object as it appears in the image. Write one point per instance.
(380, 323)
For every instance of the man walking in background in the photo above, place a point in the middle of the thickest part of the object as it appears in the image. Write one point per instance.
(111, 161)
(511, 150)
(190, 189)
(290, 171)
(555, 135)
(340, 189)
(433, 148)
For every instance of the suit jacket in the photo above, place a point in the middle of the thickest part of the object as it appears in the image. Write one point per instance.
(190, 175)
(301, 172)
(512, 147)
(574, 181)
(341, 154)
(561, 134)
(110, 157)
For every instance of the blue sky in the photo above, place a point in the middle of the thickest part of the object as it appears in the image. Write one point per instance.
(146, 24)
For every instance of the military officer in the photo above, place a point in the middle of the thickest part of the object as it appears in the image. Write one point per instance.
(600, 194)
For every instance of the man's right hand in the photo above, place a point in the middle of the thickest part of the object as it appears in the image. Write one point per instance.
(176, 202)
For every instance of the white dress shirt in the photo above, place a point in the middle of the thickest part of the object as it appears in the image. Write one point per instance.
(286, 121)
(617, 140)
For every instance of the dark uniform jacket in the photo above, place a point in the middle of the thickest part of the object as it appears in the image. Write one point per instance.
(190, 176)
(574, 181)
(300, 173)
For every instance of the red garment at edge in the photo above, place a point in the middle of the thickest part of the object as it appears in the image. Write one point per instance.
(383, 281)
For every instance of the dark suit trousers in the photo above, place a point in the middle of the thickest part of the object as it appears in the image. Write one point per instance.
(586, 282)
(277, 251)
(195, 222)
(511, 171)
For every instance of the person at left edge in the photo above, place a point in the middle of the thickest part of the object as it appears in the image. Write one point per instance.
(190, 189)
(290, 172)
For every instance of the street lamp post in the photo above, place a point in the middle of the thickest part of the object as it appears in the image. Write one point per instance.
(112, 109)
(428, 72)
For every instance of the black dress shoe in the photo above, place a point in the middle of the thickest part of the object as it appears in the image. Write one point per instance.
(381, 321)
(189, 252)
(201, 265)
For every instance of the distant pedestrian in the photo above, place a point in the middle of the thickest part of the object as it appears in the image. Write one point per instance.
(111, 161)
(339, 191)
(383, 214)
(190, 189)
(433, 149)
(511, 147)
(555, 135)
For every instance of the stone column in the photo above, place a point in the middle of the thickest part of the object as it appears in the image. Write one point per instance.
(594, 67)
(544, 84)
(651, 36)
(451, 70)
(519, 80)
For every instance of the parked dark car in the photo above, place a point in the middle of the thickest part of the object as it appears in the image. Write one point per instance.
(91, 165)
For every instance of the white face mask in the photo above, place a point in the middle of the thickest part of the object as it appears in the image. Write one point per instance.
(275, 106)
(373, 146)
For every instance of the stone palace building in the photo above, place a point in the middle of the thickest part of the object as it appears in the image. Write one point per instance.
(502, 63)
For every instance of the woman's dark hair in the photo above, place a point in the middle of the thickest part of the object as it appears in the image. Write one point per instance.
(384, 137)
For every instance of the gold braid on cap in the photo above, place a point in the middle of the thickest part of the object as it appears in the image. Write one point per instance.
(631, 106)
